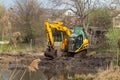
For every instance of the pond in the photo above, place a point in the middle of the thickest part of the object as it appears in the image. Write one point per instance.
(55, 69)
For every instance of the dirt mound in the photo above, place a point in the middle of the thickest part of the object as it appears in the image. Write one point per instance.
(71, 66)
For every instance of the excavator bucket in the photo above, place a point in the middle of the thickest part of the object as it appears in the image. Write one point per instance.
(51, 53)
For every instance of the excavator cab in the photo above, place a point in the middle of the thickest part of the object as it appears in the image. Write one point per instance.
(76, 39)
(74, 42)
(77, 42)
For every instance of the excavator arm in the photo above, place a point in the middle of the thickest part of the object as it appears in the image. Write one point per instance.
(58, 26)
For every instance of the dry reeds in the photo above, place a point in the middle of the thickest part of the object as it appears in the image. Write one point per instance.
(34, 65)
(109, 74)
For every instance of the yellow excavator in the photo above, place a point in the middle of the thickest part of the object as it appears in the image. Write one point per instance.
(74, 42)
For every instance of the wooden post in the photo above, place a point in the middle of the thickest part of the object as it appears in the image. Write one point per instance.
(31, 42)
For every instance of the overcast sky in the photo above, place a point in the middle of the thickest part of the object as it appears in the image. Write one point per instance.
(45, 3)
(7, 3)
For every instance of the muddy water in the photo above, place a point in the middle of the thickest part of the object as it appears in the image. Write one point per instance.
(19, 75)
(54, 68)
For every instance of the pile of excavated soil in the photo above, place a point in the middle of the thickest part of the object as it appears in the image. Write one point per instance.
(71, 66)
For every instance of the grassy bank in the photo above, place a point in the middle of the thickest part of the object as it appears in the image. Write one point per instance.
(20, 47)
(112, 73)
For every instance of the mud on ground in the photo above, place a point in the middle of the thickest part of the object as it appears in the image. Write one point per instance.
(60, 65)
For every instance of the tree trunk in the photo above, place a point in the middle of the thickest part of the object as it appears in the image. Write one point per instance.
(85, 27)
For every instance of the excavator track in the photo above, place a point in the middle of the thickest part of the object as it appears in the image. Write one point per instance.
(52, 54)
(81, 54)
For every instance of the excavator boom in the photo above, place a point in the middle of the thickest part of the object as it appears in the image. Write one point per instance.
(58, 26)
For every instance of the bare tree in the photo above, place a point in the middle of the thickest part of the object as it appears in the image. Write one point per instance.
(82, 8)
(114, 6)
(5, 24)
(2, 10)
(29, 18)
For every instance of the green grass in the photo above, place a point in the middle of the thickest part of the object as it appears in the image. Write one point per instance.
(20, 47)
(4, 47)
(112, 39)
(112, 36)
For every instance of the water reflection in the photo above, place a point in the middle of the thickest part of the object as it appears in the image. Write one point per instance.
(31, 76)
(19, 75)
(4, 74)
